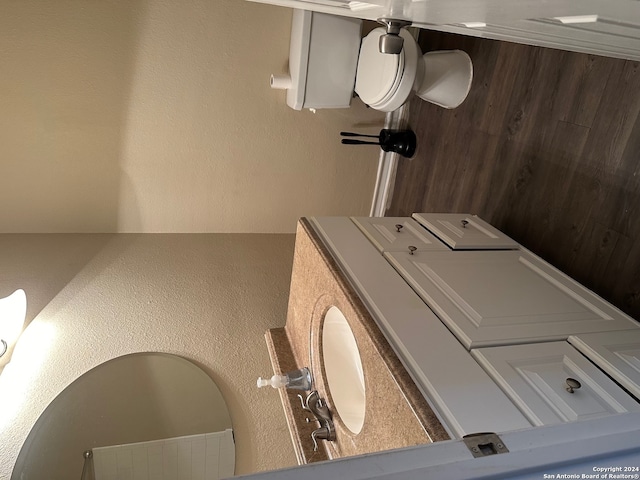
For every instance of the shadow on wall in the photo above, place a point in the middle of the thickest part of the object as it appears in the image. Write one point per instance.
(64, 90)
(43, 264)
(156, 116)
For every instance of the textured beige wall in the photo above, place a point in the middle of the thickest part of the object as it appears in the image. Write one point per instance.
(156, 116)
(207, 297)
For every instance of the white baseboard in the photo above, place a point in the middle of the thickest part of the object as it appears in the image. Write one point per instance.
(387, 166)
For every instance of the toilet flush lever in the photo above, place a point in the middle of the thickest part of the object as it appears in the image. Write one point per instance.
(392, 42)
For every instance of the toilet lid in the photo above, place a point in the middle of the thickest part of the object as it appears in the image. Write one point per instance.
(392, 92)
(410, 73)
(378, 73)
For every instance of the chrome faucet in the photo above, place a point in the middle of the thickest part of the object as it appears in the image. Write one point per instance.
(316, 405)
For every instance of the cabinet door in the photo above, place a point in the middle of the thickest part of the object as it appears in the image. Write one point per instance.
(489, 298)
(617, 353)
(538, 376)
(397, 234)
(462, 231)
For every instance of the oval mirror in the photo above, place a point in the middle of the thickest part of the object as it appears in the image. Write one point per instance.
(167, 406)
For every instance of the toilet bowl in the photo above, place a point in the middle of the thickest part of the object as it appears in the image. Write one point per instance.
(328, 60)
(385, 82)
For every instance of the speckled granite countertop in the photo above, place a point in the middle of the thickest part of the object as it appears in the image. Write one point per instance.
(397, 415)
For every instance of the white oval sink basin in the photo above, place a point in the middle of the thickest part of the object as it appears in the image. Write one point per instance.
(343, 369)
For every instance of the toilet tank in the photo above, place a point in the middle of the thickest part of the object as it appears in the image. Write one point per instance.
(323, 58)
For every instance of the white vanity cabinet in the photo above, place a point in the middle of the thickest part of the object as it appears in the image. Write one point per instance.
(398, 234)
(554, 383)
(495, 355)
(490, 298)
(461, 393)
(461, 231)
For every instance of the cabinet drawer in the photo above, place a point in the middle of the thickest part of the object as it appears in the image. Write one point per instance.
(462, 231)
(617, 353)
(537, 378)
(397, 234)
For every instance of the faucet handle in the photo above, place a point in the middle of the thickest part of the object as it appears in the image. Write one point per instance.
(312, 400)
(321, 433)
(318, 406)
(304, 403)
(313, 403)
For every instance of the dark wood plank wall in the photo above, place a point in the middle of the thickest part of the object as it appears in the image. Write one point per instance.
(546, 148)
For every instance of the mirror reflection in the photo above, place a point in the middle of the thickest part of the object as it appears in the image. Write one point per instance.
(137, 398)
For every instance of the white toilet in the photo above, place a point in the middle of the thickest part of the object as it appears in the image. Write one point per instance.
(385, 81)
(328, 60)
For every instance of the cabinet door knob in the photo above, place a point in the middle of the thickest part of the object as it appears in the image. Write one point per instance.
(572, 384)
(399, 227)
(464, 223)
(412, 249)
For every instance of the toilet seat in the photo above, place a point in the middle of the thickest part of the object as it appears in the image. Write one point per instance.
(385, 81)
(392, 91)
(376, 73)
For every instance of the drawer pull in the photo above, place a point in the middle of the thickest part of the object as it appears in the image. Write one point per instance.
(464, 223)
(399, 227)
(412, 249)
(572, 384)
